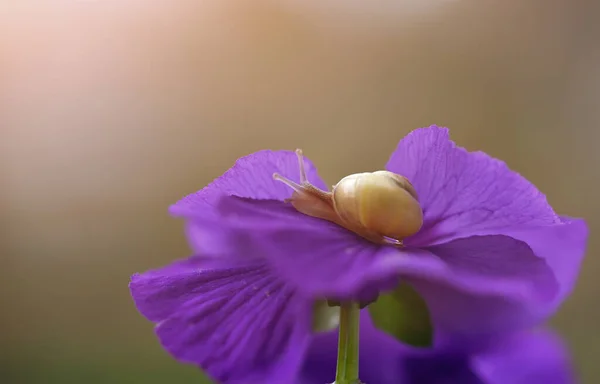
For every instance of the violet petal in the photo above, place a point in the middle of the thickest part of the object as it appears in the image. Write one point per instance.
(318, 257)
(464, 191)
(537, 356)
(499, 284)
(251, 177)
(561, 247)
(237, 322)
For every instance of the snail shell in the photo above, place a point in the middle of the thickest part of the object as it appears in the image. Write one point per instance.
(380, 202)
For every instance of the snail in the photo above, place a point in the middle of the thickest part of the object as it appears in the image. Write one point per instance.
(381, 206)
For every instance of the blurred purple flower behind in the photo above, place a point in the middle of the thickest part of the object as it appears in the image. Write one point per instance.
(525, 357)
(491, 257)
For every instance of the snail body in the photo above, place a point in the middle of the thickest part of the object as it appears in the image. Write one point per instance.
(380, 206)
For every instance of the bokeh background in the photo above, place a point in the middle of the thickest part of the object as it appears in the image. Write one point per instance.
(110, 110)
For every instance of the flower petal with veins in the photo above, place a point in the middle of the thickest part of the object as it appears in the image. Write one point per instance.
(237, 322)
(463, 191)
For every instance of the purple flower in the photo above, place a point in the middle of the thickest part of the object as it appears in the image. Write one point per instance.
(491, 256)
(535, 356)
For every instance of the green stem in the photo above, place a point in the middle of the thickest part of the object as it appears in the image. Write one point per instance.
(347, 362)
(340, 369)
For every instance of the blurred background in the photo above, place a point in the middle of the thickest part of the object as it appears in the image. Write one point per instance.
(110, 110)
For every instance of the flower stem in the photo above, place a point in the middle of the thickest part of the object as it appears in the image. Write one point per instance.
(347, 360)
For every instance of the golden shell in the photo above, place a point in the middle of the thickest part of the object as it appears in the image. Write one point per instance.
(380, 202)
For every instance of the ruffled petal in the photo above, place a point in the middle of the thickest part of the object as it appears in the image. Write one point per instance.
(237, 322)
(379, 357)
(318, 257)
(536, 356)
(562, 246)
(497, 283)
(250, 177)
(559, 247)
(464, 192)
(469, 195)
